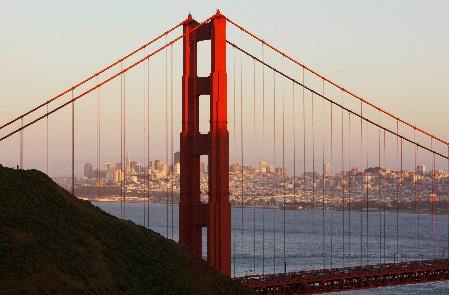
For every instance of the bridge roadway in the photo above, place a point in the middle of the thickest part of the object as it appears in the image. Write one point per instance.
(349, 278)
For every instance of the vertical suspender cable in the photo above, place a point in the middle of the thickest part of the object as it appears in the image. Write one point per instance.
(379, 175)
(418, 209)
(401, 202)
(333, 191)
(304, 136)
(234, 104)
(233, 150)
(47, 142)
(294, 159)
(343, 175)
(448, 202)
(121, 145)
(397, 192)
(21, 144)
(313, 165)
(171, 138)
(415, 194)
(349, 187)
(433, 198)
(145, 161)
(124, 146)
(254, 147)
(323, 223)
(367, 194)
(283, 177)
(241, 154)
(384, 155)
(98, 144)
(274, 164)
(263, 154)
(148, 143)
(73, 146)
(361, 184)
(166, 141)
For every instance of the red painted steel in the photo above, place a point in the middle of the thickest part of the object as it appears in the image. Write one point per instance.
(350, 278)
(216, 215)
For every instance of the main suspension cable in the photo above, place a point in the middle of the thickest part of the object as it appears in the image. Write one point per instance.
(361, 99)
(356, 114)
(119, 61)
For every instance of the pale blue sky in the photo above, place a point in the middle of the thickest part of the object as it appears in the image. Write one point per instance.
(396, 53)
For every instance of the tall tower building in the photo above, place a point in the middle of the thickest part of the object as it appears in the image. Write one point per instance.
(88, 170)
(263, 167)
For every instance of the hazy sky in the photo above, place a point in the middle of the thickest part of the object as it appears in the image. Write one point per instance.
(396, 53)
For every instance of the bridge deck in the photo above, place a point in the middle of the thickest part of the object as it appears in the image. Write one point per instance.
(350, 278)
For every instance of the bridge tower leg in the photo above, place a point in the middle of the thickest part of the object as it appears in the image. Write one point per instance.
(216, 214)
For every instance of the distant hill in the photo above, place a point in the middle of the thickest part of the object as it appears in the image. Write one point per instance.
(52, 242)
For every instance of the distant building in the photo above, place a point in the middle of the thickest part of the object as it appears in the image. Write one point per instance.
(421, 169)
(88, 170)
(133, 166)
(432, 198)
(157, 165)
(270, 169)
(281, 171)
(108, 166)
(263, 167)
(109, 176)
(203, 168)
(177, 168)
(327, 169)
(355, 171)
(235, 167)
(128, 162)
(177, 157)
(118, 176)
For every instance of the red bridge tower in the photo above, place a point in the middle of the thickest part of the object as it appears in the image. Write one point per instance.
(216, 214)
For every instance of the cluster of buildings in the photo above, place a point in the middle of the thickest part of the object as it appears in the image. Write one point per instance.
(267, 185)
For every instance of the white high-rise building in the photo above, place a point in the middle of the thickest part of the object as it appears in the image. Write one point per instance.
(263, 167)
(421, 169)
(327, 169)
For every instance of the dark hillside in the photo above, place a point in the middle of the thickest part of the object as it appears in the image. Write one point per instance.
(51, 242)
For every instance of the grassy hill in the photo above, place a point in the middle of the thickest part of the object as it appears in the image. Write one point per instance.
(51, 242)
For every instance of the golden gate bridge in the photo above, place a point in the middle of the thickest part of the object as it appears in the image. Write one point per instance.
(289, 113)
